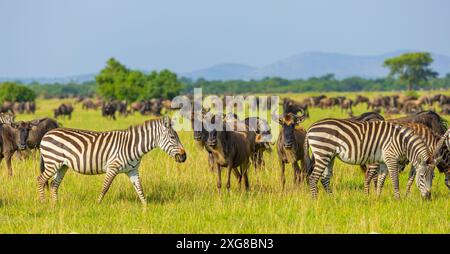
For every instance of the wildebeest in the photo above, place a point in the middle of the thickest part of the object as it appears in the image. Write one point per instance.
(89, 104)
(38, 129)
(121, 107)
(263, 139)
(109, 110)
(13, 137)
(346, 104)
(291, 106)
(231, 149)
(361, 99)
(7, 107)
(64, 109)
(290, 146)
(30, 107)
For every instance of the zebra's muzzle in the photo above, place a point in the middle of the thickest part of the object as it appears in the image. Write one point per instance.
(180, 157)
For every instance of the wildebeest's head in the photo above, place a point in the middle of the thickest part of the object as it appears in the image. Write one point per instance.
(169, 141)
(21, 131)
(213, 122)
(289, 122)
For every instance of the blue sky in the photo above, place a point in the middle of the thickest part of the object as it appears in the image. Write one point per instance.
(51, 38)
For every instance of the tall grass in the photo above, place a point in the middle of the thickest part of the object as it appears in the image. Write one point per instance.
(182, 198)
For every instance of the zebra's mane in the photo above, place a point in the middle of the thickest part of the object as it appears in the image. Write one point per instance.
(147, 122)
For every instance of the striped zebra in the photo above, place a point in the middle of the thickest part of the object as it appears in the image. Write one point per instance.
(7, 118)
(362, 143)
(110, 152)
(435, 144)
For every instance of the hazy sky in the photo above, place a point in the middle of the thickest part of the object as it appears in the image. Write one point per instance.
(48, 38)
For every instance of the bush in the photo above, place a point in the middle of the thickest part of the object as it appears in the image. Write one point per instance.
(10, 91)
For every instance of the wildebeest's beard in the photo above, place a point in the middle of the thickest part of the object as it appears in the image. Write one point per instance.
(289, 137)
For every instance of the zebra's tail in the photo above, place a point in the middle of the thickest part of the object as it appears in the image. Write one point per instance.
(309, 161)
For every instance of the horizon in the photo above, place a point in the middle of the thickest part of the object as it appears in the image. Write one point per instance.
(52, 39)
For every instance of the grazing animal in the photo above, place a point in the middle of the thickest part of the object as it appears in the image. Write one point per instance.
(7, 107)
(428, 118)
(263, 137)
(109, 110)
(64, 109)
(361, 99)
(291, 106)
(200, 133)
(39, 128)
(432, 141)
(346, 104)
(88, 104)
(231, 149)
(437, 124)
(290, 144)
(361, 143)
(110, 152)
(13, 137)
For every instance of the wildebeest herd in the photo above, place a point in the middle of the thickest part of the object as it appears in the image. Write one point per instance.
(379, 146)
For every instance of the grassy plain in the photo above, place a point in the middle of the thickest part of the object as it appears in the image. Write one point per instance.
(182, 198)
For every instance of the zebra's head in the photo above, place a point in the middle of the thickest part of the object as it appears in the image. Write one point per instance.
(170, 142)
(425, 175)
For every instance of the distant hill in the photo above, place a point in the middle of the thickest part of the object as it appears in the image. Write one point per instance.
(304, 65)
(311, 64)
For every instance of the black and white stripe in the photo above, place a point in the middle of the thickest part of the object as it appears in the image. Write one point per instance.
(7, 118)
(111, 152)
(361, 143)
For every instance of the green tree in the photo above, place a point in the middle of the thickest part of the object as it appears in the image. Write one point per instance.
(164, 84)
(412, 68)
(111, 79)
(10, 91)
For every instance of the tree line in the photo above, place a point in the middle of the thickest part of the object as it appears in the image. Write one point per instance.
(117, 82)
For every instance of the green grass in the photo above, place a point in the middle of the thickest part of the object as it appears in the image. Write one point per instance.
(182, 198)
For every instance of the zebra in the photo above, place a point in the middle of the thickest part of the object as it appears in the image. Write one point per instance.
(434, 143)
(7, 118)
(110, 152)
(362, 143)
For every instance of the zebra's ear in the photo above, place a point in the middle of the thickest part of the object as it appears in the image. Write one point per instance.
(167, 122)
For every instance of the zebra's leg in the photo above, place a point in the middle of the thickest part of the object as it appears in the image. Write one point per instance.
(57, 181)
(382, 173)
(393, 173)
(370, 175)
(111, 173)
(283, 178)
(328, 173)
(133, 175)
(320, 165)
(412, 175)
(49, 171)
